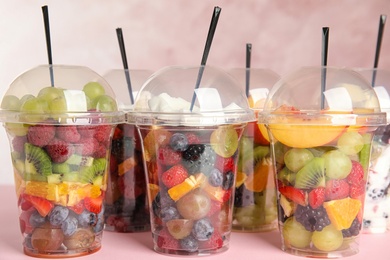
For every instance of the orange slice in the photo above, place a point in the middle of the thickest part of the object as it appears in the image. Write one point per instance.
(189, 184)
(153, 191)
(258, 180)
(240, 178)
(342, 212)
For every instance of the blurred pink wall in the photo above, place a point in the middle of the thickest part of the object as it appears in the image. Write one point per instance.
(285, 34)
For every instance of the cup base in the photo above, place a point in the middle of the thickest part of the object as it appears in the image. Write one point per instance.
(127, 229)
(62, 254)
(263, 228)
(205, 252)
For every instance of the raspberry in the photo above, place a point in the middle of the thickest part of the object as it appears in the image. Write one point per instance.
(40, 135)
(215, 206)
(102, 133)
(86, 131)
(100, 151)
(336, 189)
(357, 173)
(166, 240)
(167, 156)
(224, 164)
(68, 133)
(215, 242)
(18, 143)
(192, 138)
(59, 150)
(87, 146)
(174, 175)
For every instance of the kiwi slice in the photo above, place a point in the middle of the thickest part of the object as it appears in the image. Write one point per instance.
(79, 160)
(286, 176)
(312, 175)
(89, 173)
(60, 168)
(54, 178)
(70, 177)
(250, 159)
(37, 160)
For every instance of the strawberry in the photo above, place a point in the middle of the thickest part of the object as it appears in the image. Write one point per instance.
(316, 197)
(43, 206)
(224, 164)
(167, 156)
(357, 173)
(296, 195)
(78, 208)
(357, 189)
(93, 205)
(174, 175)
(166, 241)
(336, 189)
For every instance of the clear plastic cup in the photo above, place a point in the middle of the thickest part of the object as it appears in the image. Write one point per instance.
(191, 156)
(60, 145)
(321, 141)
(126, 203)
(255, 195)
(376, 217)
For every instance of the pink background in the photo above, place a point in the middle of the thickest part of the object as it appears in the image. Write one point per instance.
(285, 35)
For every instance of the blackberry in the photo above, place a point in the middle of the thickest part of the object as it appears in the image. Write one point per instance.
(353, 230)
(312, 219)
(243, 197)
(199, 158)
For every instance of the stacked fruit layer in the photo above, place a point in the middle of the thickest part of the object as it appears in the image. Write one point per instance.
(322, 191)
(126, 205)
(191, 176)
(60, 176)
(255, 195)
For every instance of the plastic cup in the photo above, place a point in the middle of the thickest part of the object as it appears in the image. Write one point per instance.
(255, 207)
(376, 217)
(191, 156)
(60, 145)
(321, 143)
(126, 203)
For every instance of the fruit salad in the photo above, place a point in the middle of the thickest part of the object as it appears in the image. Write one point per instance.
(255, 194)
(60, 144)
(191, 175)
(376, 218)
(321, 192)
(126, 204)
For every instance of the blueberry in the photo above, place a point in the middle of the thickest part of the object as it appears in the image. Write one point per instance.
(69, 225)
(216, 178)
(58, 215)
(168, 213)
(189, 243)
(178, 142)
(36, 219)
(87, 219)
(228, 180)
(203, 229)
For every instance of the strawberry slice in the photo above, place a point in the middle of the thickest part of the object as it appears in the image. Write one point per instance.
(316, 197)
(43, 206)
(294, 194)
(93, 205)
(78, 208)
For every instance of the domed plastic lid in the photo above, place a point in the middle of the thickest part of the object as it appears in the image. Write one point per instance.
(60, 94)
(302, 98)
(170, 97)
(260, 82)
(380, 80)
(119, 82)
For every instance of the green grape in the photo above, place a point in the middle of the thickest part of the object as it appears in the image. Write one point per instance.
(295, 234)
(350, 143)
(58, 105)
(329, 239)
(16, 129)
(93, 90)
(25, 98)
(104, 103)
(50, 93)
(337, 164)
(10, 102)
(296, 158)
(35, 106)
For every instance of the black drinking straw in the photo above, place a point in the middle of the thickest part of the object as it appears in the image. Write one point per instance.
(324, 62)
(124, 61)
(248, 66)
(382, 21)
(210, 36)
(45, 13)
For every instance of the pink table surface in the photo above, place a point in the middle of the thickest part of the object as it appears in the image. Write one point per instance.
(139, 245)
